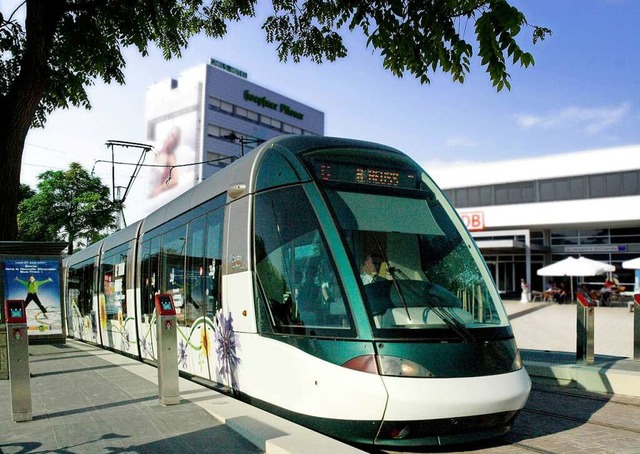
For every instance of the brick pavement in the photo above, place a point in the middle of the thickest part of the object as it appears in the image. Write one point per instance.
(83, 403)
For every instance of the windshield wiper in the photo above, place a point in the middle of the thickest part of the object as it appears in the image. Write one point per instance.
(393, 277)
(448, 318)
(451, 320)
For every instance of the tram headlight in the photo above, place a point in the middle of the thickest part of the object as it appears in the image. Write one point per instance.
(364, 363)
(392, 366)
(400, 367)
(517, 361)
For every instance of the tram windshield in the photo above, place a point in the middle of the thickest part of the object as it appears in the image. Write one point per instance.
(418, 267)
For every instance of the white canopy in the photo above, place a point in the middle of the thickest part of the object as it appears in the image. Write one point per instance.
(576, 267)
(633, 264)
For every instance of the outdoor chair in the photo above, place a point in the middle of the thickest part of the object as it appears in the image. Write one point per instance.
(536, 295)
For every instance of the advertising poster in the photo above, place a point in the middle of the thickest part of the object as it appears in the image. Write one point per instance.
(172, 119)
(37, 282)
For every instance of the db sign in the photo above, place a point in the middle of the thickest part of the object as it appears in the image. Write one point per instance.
(473, 220)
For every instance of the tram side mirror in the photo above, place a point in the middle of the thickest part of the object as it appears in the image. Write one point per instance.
(236, 190)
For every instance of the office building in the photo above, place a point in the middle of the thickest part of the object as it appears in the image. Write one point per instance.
(204, 119)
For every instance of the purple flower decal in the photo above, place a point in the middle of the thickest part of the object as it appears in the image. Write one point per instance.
(145, 348)
(126, 341)
(182, 353)
(226, 346)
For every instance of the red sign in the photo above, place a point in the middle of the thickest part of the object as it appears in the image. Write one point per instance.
(474, 220)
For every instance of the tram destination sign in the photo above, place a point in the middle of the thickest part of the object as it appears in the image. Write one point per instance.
(356, 173)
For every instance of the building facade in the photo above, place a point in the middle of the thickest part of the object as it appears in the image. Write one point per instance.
(529, 213)
(202, 121)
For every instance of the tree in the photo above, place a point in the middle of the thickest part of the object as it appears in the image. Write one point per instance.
(25, 192)
(63, 46)
(68, 206)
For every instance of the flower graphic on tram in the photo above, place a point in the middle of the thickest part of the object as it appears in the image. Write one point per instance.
(204, 340)
(182, 353)
(226, 346)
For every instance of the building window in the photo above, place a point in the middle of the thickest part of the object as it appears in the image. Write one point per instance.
(217, 131)
(630, 184)
(246, 113)
(570, 188)
(265, 120)
(218, 159)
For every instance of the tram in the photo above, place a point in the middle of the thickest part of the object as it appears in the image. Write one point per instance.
(326, 280)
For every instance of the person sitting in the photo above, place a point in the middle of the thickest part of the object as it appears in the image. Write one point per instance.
(605, 292)
(371, 269)
(561, 293)
(549, 294)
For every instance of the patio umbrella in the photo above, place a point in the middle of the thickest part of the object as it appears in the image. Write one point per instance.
(572, 266)
(632, 264)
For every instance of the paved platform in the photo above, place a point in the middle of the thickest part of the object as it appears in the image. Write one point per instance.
(546, 336)
(86, 399)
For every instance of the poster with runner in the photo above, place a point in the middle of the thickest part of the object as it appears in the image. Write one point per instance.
(37, 282)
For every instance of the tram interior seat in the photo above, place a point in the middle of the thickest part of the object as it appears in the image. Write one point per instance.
(308, 304)
(400, 316)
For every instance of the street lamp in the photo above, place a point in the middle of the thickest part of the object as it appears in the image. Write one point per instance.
(242, 141)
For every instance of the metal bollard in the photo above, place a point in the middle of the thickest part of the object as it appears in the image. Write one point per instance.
(18, 355)
(166, 329)
(585, 329)
(636, 326)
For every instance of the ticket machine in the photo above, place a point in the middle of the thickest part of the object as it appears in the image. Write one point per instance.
(636, 326)
(18, 355)
(585, 329)
(166, 331)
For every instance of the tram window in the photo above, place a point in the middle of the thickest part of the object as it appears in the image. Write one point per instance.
(113, 286)
(295, 274)
(149, 278)
(80, 288)
(195, 298)
(172, 268)
(213, 257)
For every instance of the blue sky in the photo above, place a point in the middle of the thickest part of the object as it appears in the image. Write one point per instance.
(583, 93)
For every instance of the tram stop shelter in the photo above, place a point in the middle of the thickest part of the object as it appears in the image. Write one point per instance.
(32, 271)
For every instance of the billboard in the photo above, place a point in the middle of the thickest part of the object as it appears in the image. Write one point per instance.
(172, 127)
(37, 282)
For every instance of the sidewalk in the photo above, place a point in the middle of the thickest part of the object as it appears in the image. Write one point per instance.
(86, 399)
(546, 336)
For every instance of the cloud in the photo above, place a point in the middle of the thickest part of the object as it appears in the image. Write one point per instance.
(460, 142)
(588, 120)
(438, 164)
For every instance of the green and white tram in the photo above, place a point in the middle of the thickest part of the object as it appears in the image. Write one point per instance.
(326, 280)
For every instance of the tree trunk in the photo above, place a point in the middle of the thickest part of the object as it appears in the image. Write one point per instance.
(18, 107)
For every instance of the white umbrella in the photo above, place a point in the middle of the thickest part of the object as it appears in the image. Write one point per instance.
(633, 264)
(571, 266)
(576, 267)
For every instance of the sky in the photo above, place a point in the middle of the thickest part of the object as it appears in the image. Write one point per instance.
(583, 93)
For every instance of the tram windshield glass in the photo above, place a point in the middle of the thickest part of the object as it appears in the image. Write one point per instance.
(417, 265)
